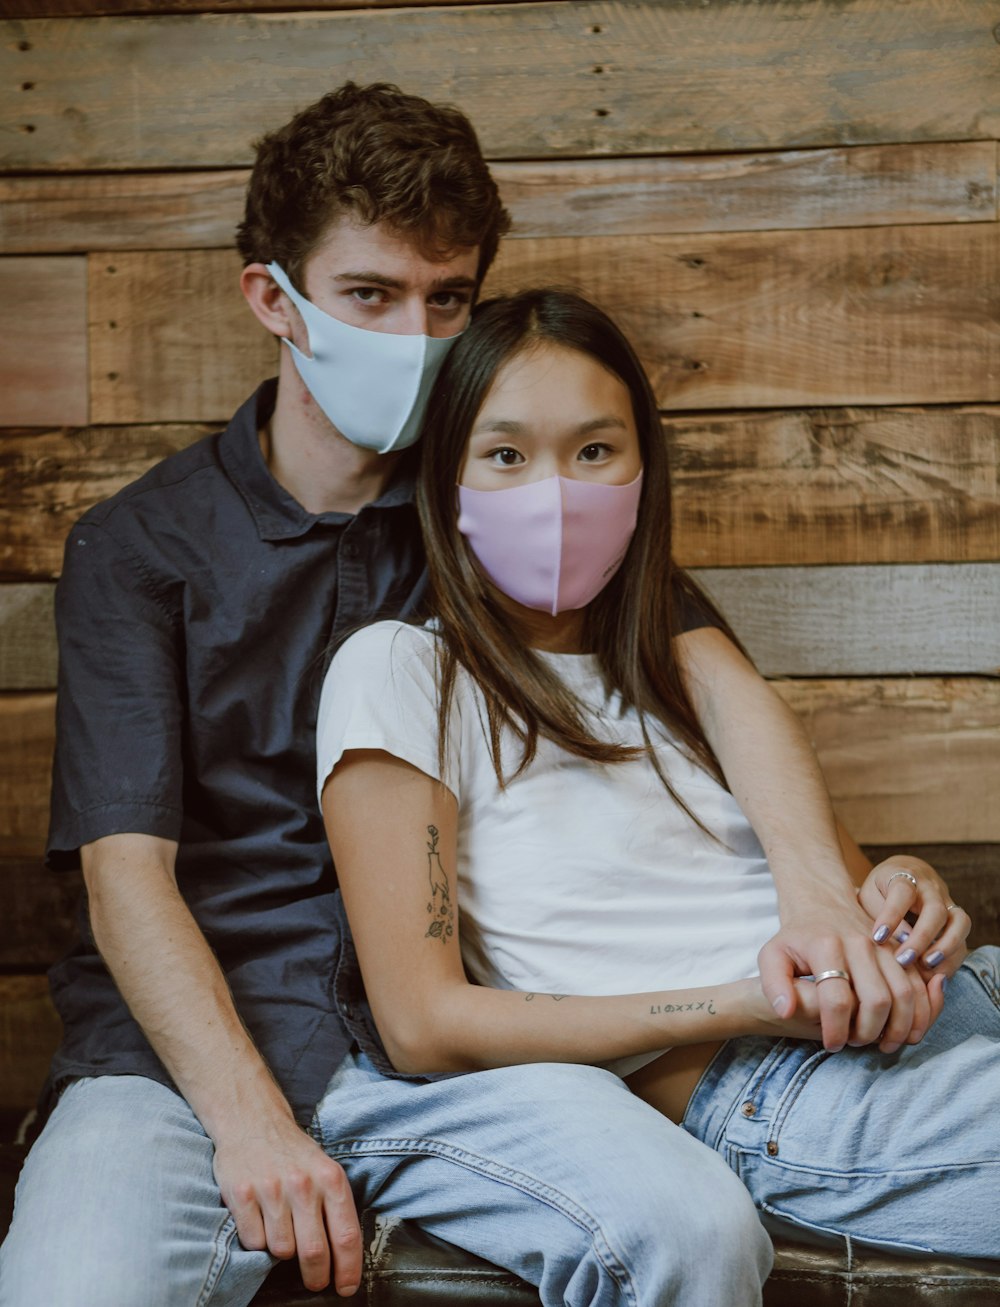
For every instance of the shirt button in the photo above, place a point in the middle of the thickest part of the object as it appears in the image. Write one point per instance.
(772, 1148)
(748, 1108)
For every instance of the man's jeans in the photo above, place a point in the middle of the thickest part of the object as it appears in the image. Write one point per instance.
(901, 1150)
(556, 1172)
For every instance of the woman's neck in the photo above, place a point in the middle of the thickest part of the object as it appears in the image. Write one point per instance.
(562, 633)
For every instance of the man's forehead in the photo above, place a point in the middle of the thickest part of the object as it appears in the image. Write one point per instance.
(382, 254)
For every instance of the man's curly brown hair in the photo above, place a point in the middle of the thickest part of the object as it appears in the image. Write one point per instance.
(379, 156)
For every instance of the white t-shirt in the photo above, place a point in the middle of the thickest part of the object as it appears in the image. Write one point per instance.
(578, 877)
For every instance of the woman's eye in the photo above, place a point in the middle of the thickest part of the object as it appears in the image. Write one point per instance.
(505, 456)
(594, 453)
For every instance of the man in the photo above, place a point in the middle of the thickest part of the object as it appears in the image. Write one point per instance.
(214, 1111)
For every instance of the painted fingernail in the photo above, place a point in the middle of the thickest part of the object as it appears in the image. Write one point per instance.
(906, 957)
(780, 1004)
(944, 985)
(934, 958)
(880, 934)
(902, 936)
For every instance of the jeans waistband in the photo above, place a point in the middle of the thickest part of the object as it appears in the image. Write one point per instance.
(736, 1076)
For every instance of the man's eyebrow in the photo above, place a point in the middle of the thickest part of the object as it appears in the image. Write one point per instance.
(372, 278)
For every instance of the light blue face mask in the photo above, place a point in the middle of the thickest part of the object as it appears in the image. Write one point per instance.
(372, 385)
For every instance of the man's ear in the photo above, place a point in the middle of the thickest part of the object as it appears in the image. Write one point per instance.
(268, 302)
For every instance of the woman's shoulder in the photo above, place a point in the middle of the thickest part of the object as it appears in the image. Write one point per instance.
(385, 647)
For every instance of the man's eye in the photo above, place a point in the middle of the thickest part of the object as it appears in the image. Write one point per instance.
(505, 456)
(367, 294)
(449, 299)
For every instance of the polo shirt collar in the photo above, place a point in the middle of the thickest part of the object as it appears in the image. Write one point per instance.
(276, 514)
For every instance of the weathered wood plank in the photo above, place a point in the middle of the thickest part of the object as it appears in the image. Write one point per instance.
(883, 315)
(874, 316)
(38, 909)
(167, 354)
(795, 621)
(824, 486)
(881, 185)
(667, 77)
(29, 1034)
(864, 621)
(836, 486)
(27, 735)
(972, 873)
(43, 340)
(911, 760)
(49, 478)
(99, 8)
(28, 658)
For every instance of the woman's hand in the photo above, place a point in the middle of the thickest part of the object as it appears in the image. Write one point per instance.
(912, 913)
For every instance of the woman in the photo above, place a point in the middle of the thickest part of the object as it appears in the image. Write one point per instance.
(533, 758)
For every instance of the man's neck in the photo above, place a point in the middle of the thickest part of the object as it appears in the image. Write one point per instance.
(318, 467)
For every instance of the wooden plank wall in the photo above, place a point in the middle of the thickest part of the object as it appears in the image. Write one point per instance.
(791, 207)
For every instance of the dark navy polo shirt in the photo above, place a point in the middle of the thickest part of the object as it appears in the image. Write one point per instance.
(196, 613)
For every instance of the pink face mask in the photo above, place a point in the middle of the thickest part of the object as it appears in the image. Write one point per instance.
(552, 544)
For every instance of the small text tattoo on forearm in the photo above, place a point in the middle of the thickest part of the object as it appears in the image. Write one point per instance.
(442, 923)
(556, 998)
(662, 1009)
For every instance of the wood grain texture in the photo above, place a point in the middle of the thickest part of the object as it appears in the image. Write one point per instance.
(863, 621)
(29, 1033)
(822, 486)
(98, 8)
(882, 185)
(910, 761)
(867, 316)
(43, 340)
(27, 737)
(49, 478)
(795, 621)
(39, 910)
(883, 315)
(639, 78)
(857, 485)
(28, 659)
(169, 342)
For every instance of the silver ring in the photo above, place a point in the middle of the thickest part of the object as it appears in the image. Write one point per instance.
(905, 876)
(952, 907)
(831, 975)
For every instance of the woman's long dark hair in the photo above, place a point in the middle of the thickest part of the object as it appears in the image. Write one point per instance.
(631, 623)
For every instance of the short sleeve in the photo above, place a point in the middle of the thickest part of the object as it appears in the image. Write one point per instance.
(380, 692)
(694, 609)
(118, 765)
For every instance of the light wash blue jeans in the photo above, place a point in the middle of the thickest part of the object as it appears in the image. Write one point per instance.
(557, 1172)
(899, 1150)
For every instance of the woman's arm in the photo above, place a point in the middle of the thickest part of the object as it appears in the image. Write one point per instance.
(774, 775)
(392, 830)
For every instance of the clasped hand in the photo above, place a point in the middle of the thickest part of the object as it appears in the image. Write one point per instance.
(897, 941)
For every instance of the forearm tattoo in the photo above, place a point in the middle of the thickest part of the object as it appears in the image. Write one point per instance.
(664, 1009)
(442, 923)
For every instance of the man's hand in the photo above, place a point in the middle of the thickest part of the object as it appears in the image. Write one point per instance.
(288, 1197)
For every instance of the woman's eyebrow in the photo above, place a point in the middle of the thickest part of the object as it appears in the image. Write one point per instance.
(509, 426)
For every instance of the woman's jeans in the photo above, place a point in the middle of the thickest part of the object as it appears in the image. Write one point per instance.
(900, 1150)
(556, 1172)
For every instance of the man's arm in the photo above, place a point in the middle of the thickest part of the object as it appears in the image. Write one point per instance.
(774, 775)
(285, 1194)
